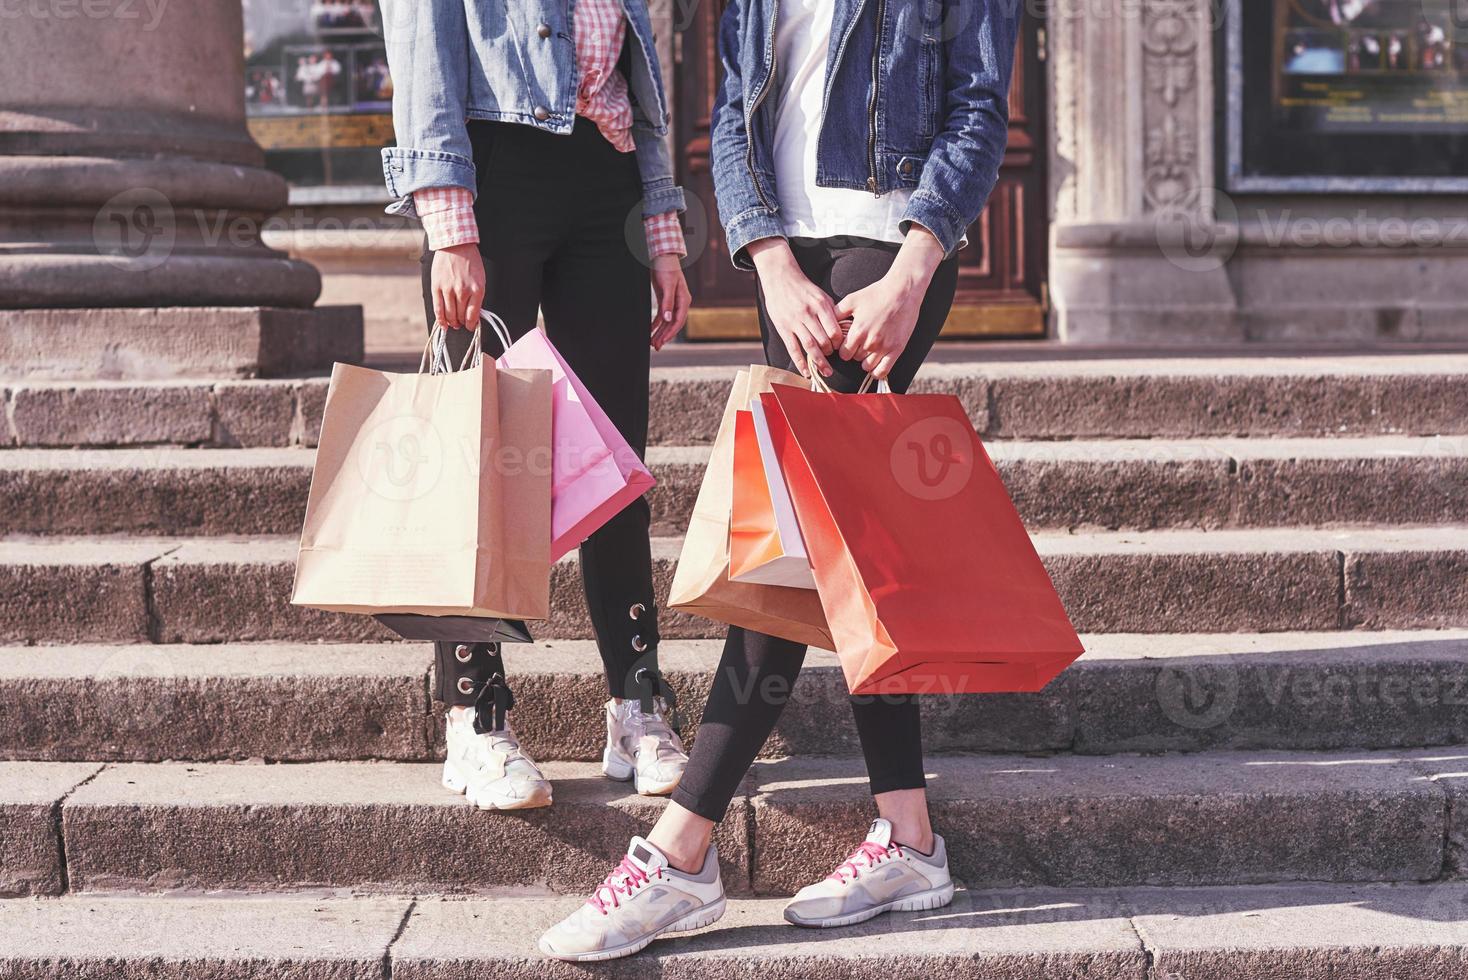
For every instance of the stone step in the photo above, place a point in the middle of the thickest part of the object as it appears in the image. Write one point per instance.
(1128, 483)
(1343, 931)
(1130, 693)
(1205, 818)
(217, 590)
(1412, 394)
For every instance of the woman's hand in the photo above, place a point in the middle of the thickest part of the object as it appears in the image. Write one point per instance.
(801, 312)
(884, 314)
(458, 285)
(674, 299)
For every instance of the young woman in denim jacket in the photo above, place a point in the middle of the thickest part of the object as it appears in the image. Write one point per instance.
(853, 143)
(528, 134)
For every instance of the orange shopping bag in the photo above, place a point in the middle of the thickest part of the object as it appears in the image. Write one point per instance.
(701, 582)
(928, 579)
(765, 546)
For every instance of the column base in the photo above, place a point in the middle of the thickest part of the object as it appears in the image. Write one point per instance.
(176, 342)
(1134, 284)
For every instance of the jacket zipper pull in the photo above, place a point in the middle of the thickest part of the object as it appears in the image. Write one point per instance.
(872, 184)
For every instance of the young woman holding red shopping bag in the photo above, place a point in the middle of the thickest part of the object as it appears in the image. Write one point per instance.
(845, 181)
(527, 133)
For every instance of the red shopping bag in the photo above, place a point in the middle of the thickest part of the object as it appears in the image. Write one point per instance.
(928, 579)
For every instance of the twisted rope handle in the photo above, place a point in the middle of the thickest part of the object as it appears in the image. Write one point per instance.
(436, 360)
(501, 331)
(818, 383)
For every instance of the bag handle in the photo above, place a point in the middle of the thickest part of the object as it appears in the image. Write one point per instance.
(436, 360)
(818, 383)
(501, 331)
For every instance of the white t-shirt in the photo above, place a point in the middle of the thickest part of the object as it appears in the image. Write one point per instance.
(802, 39)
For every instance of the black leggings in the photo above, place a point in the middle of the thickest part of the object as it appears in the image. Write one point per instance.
(757, 672)
(554, 215)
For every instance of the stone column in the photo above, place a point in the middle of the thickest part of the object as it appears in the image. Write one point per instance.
(1133, 240)
(127, 179)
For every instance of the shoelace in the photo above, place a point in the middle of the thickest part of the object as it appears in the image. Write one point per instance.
(873, 852)
(624, 879)
(494, 702)
(652, 685)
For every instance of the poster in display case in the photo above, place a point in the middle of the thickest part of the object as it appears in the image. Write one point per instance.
(318, 95)
(1347, 95)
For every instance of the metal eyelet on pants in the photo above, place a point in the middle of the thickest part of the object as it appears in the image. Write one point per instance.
(637, 610)
(462, 653)
(637, 644)
(466, 685)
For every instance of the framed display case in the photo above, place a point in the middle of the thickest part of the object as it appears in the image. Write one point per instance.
(1340, 96)
(318, 96)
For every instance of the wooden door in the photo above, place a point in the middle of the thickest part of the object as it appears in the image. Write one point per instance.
(1002, 271)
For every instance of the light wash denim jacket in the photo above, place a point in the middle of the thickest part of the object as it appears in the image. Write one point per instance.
(515, 61)
(917, 95)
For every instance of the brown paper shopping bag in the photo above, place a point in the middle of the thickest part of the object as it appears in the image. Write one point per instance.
(701, 583)
(431, 495)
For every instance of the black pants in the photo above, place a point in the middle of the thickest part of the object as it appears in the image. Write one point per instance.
(757, 672)
(561, 233)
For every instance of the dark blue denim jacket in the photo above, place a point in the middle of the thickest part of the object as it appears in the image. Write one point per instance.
(917, 95)
(456, 60)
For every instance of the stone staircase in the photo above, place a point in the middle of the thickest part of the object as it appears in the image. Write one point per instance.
(1257, 770)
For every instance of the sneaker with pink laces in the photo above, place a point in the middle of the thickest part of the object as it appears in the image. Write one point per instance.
(878, 877)
(643, 898)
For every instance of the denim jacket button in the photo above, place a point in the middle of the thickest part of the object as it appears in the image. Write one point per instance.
(541, 112)
(544, 30)
(906, 166)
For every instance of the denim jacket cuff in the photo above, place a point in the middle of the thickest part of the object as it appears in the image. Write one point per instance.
(934, 214)
(407, 170)
(660, 196)
(750, 226)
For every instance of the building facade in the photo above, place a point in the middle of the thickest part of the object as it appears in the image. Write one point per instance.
(1178, 172)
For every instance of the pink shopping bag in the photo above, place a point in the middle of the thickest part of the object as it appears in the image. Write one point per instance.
(594, 472)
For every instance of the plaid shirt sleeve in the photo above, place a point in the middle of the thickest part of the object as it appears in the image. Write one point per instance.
(664, 235)
(447, 214)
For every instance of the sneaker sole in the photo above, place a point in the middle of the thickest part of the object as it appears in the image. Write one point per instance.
(697, 919)
(623, 771)
(454, 784)
(934, 898)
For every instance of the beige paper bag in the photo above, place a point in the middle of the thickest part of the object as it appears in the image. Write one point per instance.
(431, 495)
(701, 583)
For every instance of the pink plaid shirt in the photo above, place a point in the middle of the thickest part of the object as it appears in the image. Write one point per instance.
(448, 212)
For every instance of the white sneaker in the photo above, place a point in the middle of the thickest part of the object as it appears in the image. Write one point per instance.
(491, 769)
(643, 747)
(878, 877)
(641, 899)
